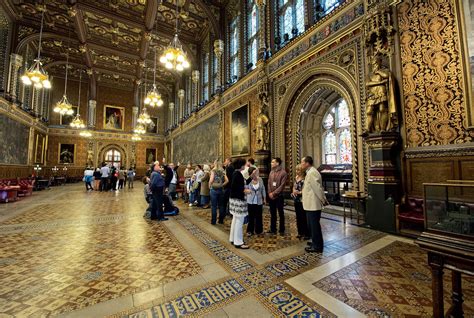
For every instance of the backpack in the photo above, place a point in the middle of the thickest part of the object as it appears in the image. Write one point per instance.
(218, 182)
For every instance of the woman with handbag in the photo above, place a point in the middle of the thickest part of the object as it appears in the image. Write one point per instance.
(301, 222)
(218, 180)
(238, 205)
(255, 200)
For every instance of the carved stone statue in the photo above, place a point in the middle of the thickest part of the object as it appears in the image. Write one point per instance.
(262, 132)
(381, 107)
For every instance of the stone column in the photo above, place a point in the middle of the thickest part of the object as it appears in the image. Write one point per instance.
(91, 113)
(195, 79)
(261, 4)
(16, 61)
(134, 116)
(219, 51)
(181, 94)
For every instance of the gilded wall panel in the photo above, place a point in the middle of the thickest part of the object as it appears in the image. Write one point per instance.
(432, 73)
(199, 144)
(14, 141)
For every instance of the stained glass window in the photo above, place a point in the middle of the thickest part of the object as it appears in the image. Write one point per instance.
(290, 18)
(345, 146)
(252, 33)
(337, 144)
(234, 49)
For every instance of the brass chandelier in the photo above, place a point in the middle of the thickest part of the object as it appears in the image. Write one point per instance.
(136, 137)
(174, 57)
(144, 118)
(140, 129)
(36, 75)
(77, 122)
(64, 107)
(153, 97)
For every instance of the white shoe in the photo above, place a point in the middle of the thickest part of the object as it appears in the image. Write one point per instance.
(190, 204)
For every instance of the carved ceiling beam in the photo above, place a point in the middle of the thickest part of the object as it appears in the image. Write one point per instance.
(81, 33)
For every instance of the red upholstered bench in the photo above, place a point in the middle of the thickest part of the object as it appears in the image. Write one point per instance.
(410, 212)
(8, 192)
(26, 187)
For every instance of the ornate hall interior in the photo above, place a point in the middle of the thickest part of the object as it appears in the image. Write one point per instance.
(97, 95)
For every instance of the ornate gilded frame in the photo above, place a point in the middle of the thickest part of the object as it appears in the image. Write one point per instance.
(41, 160)
(73, 158)
(122, 109)
(467, 85)
(248, 130)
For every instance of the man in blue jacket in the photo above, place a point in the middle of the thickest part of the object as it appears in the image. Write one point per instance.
(157, 186)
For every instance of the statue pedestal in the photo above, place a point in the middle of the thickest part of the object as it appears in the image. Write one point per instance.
(263, 159)
(384, 182)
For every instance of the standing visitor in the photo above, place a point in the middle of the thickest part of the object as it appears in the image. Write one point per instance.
(148, 197)
(121, 178)
(173, 171)
(238, 205)
(105, 171)
(130, 177)
(218, 181)
(313, 202)
(229, 172)
(88, 177)
(97, 176)
(276, 184)
(157, 186)
(245, 173)
(255, 200)
(197, 185)
(301, 220)
(204, 191)
(188, 173)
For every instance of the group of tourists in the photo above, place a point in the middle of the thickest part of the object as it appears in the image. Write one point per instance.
(108, 178)
(236, 188)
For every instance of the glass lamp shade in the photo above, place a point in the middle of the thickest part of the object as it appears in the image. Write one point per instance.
(153, 98)
(144, 118)
(36, 76)
(174, 56)
(139, 129)
(77, 122)
(63, 107)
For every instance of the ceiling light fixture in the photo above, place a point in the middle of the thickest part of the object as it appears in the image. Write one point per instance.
(64, 107)
(77, 122)
(36, 75)
(153, 97)
(139, 129)
(174, 56)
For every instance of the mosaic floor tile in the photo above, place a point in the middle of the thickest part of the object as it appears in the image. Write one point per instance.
(395, 281)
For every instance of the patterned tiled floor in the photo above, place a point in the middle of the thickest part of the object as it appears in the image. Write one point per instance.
(395, 281)
(67, 251)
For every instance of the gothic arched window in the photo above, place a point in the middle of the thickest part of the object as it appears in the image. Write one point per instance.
(252, 34)
(337, 141)
(234, 50)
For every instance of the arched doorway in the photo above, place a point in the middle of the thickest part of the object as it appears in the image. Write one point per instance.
(113, 154)
(302, 110)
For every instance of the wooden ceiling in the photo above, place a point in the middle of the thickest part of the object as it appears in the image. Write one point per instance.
(113, 39)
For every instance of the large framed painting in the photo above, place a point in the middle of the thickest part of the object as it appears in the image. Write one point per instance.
(66, 119)
(152, 128)
(67, 153)
(39, 148)
(466, 17)
(114, 117)
(240, 135)
(150, 155)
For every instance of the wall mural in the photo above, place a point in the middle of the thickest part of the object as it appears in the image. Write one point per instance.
(114, 117)
(199, 144)
(468, 18)
(240, 131)
(13, 141)
(435, 104)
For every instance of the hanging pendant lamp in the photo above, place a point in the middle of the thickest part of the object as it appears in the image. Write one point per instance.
(153, 97)
(64, 107)
(174, 57)
(77, 122)
(36, 75)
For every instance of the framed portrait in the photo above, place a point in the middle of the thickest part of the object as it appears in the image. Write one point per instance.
(67, 153)
(114, 117)
(466, 17)
(240, 135)
(152, 128)
(66, 119)
(150, 155)
(39, 148)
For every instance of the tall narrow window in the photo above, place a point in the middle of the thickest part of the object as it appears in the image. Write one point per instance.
(205, 77)
(234, 50)
(290, 19)
(337, 141)
(215, 66)
(252, 34)
(323, 7)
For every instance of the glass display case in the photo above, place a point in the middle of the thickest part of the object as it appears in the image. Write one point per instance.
(449, 208)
